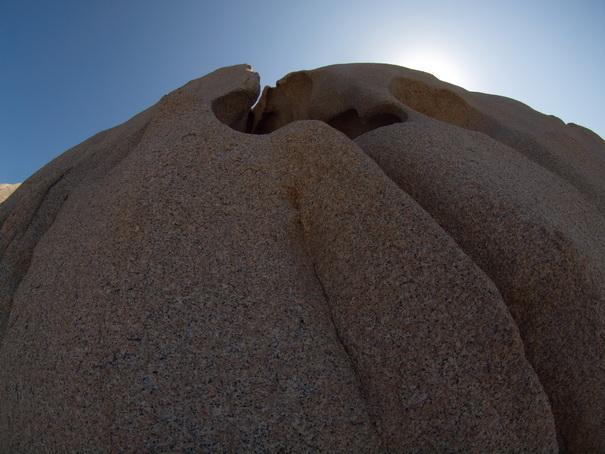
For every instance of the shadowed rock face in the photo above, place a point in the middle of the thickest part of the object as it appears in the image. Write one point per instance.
(369, 261)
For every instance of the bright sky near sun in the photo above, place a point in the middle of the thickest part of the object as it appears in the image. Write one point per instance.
(71, 68)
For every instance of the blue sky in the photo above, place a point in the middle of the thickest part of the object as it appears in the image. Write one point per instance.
(71, 68)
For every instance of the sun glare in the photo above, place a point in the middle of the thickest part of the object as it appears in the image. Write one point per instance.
(445, 67)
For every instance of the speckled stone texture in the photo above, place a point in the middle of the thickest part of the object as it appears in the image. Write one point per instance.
(370, 261)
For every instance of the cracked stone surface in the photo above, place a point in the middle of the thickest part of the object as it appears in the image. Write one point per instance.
(370, 260)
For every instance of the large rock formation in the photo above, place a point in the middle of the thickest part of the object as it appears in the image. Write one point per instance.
(369, 261)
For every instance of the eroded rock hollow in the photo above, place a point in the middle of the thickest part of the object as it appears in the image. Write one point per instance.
(370, 260)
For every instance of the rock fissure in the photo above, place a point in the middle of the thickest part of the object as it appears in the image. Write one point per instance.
(336, 330)
(350, 359)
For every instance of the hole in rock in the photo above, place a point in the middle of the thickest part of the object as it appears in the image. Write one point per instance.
(348, 122)
(268, 123)
(292, 100)
(233, 109)
(352, 125)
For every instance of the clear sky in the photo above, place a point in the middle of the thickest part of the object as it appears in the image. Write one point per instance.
(71, 68)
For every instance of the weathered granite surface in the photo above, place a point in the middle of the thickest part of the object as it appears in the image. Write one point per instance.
(205, 278)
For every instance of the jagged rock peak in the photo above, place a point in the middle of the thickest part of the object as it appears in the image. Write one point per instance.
(369, 260)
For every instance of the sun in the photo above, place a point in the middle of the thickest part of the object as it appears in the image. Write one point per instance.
(445, 66)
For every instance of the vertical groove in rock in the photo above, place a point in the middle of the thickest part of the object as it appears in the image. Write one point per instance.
(373, 250)
(345, 347)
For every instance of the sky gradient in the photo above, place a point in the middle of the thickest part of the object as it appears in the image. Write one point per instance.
(69, 69)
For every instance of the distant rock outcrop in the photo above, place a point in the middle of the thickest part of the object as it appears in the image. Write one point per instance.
(6, 190)
(371, 260)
